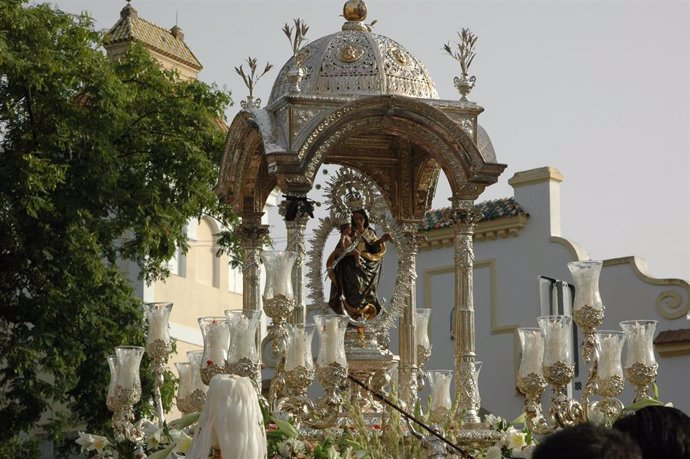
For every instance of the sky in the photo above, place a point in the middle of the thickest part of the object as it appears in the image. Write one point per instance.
(599, 90)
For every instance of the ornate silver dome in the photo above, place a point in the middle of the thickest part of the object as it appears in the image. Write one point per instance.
(357, 63)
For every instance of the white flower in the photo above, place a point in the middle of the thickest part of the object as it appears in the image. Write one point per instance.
(90, 441)
(290, 446)
(182, 443)
(85, 441)
(152, 434)
(493, 452)
(492, 420)
(515, 438)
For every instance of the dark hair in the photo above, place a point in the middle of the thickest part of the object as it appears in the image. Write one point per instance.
(661, 431)
(363, 213)
(587, 441)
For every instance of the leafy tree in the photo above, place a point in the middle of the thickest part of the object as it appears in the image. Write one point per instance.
(100, 161)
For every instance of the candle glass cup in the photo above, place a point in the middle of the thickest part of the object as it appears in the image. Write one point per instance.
(558, 365)
(640, 363)
(278, 297)
(422, 342)
(158, 336)
(610, 369)
(184, 388)
(609, 373)
(216, 333)
(531, 380)
(243, 353)
(441, 402)
(127, 389)
(588, 310)
(298, 372)
(110, 398)
(278, 266)
(331, 362)
(197, 397)
(158, 348)
(558, 341)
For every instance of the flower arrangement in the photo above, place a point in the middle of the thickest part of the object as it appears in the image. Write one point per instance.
(171, 440)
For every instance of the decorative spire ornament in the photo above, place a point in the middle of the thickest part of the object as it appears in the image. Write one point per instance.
(464, 55)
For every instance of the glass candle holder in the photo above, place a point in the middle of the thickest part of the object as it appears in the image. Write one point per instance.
(195, 359)
(639, 338)
(298, 349)
(477, 402)
(112, 365)
(331, 330)
(586, 278)
(184, 388)
(422, 316)
(532, 351)
(278, 266)
(610, 350)
(128, 361)
(440, 384)
(157, 317)
(609, 367)
(640, 363)
(197, 398)
(184, 372)
(243, 327)
(216, 333)
(558, 339)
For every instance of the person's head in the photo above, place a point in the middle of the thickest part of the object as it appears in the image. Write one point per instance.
(360, 215)
(587, 441)
(345, 228)
(661, 431)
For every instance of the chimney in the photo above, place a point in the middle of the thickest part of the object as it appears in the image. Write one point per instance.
(177, 33)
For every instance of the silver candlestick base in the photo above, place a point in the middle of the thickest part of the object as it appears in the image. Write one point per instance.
(122, 404)
(297, 403)
(333, 378)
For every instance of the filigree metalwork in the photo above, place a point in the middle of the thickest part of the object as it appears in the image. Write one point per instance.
(588, 319)
(210, 370)
(559, 374)
(244, 367)
(297, 403)
(122, 403)
(358, 62)
(158, 351)
(641, 376)
(477, 436)
(610, 387)
(333, 378)
(192, 403)
(423, 354)
(278, 309)
(562, 413)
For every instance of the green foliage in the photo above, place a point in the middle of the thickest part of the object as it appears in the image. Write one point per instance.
(101, 161)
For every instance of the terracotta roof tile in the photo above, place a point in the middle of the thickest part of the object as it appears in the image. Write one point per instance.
(132, 28)
(673, 336)
(492, 210)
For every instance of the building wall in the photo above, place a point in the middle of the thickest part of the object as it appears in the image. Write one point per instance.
(507, 295)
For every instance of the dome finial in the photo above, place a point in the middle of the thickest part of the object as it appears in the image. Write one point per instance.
(355, 12)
